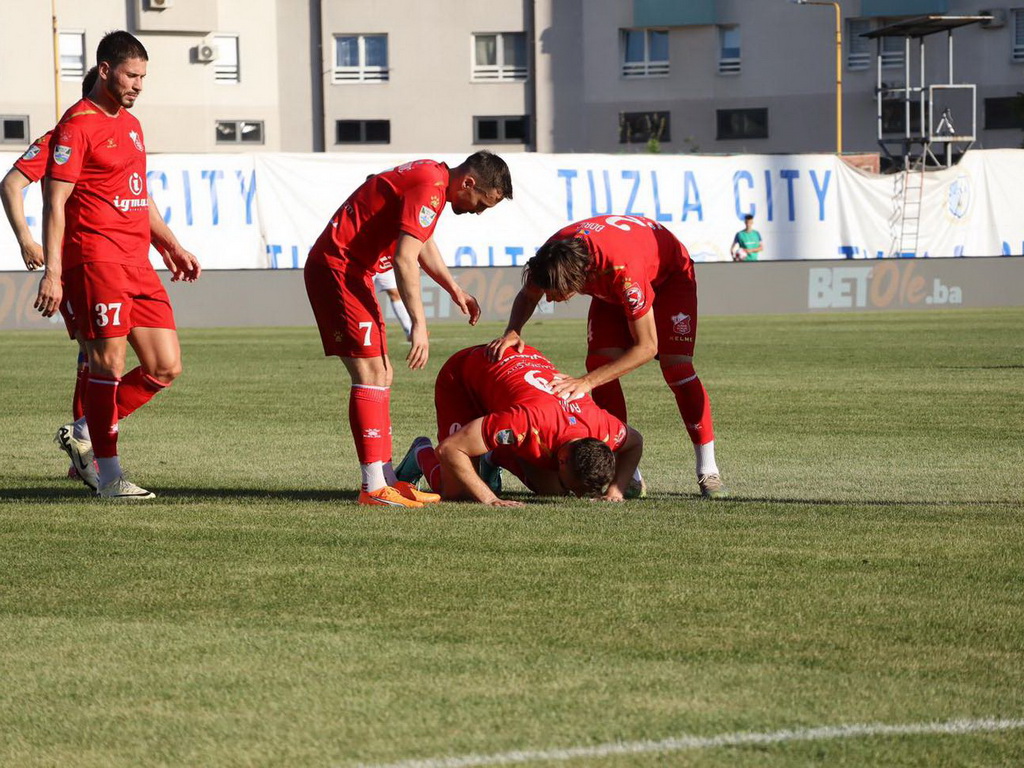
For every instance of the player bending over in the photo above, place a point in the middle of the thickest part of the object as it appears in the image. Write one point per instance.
(507, 410)
(390, 219)
(644, 305)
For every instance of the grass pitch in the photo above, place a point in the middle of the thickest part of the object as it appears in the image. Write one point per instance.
(868, 570)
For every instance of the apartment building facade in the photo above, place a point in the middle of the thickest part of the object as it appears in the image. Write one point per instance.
(421, 76)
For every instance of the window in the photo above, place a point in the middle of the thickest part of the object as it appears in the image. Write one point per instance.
(643, 127)
(742, 124)
(225, 66)
(1018, 34)
(360, 58)
(362, 132)
(728, 50)
(893, 49)
(72, 55)
(1004, 112)
(509, 129)
(499, 56)
(239, 131)
(644, 52)
(15, 129)
(858, 49)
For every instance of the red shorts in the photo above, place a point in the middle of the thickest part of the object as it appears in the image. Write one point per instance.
(106, 299)
(345, 307)
(675, 316)
(454, 401)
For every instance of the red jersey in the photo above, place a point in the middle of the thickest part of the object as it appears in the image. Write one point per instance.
(107, 215)
(525, 416)
(366, 227)
(33, 163)
(630, 257)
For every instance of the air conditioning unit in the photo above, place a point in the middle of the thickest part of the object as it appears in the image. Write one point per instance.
(158, 5)
(206, 52)
(997, 20)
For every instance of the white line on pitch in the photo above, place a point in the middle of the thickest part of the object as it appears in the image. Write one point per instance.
(708, 742)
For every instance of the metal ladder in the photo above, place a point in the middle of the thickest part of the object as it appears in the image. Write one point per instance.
(908, 197)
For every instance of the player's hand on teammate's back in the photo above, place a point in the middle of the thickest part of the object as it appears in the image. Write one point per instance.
(569, 388)
(420, 351)
(49, 295)
(33, 255)
(496, 348)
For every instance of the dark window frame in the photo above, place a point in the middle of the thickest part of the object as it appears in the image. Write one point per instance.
(1004, 113)
(755, 124)
(502, 123)
(638, 127)
(364, 127)
(24, 139)
(239, 133)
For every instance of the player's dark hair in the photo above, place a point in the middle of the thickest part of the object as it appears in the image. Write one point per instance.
(89, 80)
(560, 266)
(119, 46)
(491, 172)
(749, 217)
(593, 463)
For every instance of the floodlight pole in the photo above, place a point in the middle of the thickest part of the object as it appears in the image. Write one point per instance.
(839, 65)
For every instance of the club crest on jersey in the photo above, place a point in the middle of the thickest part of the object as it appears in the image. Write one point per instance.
(136, 140)
(61, 154)
(681, 324)
(426, 216)
(31, 152)
(505, 437)
(635, 297)
(135, 184)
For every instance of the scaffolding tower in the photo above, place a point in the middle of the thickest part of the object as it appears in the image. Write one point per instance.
(940, 113)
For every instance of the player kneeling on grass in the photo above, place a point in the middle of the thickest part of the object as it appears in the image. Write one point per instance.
(504, 414)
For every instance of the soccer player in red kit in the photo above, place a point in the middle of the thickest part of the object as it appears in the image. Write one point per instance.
(28, 169)
(644, 304)
(389, 221)
(507, 407)
(97, 230)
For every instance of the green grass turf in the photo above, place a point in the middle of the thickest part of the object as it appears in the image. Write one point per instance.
(868, 570)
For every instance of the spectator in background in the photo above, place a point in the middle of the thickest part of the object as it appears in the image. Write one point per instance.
(747, 244)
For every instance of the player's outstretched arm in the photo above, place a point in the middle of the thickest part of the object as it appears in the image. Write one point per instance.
(456, 454)
(11, 190)
(407, 277)
(182, 264)
(627, 459)
(55, 195)
(433, 264)
(523, 307)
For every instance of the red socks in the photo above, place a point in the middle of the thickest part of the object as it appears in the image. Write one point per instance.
(692, 400)
(81, 383)
(101, 414)
(370, 419)
(136, 389)
(609, 396)
(427, 461)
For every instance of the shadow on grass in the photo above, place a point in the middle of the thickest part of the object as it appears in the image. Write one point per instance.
(65, 495)
(48, 495)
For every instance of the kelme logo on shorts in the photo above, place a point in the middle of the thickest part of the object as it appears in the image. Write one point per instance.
(426, 216)
(61, 154)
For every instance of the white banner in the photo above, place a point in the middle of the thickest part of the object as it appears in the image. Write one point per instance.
(252, 211)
